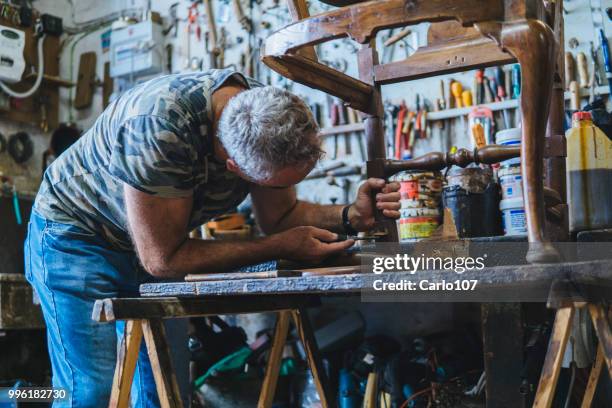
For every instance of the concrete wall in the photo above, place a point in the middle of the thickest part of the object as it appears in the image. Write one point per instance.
(579, 26)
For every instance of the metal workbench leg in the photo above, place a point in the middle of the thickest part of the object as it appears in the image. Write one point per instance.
(127, 356)
(161, 364)
(304, 329)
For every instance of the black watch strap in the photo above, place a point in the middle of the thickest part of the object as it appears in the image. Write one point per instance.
(346, 223)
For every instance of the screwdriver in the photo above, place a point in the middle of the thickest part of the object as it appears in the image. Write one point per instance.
(605, 48)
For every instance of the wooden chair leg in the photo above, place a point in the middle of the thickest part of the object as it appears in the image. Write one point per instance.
(603, 331)
(587, 400)
(533, 44)
(268, 388)
(554, 357)
(127, 357)
(304, 329)
(163, 372)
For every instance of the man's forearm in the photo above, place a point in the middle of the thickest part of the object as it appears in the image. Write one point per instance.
(328, 217)
(205, 256)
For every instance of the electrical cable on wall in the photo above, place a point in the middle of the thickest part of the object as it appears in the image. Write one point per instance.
(39, 75)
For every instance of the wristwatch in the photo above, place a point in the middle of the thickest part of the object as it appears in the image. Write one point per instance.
(346, 223)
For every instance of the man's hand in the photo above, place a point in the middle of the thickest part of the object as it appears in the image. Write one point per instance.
(361, 214)
(309, 244)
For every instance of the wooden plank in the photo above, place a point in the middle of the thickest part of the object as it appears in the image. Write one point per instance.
(306, 333)
(369, 397)
(107, 310)
(502, 331)
(161, 364)
(126, 364)
(521, 282)
(241, 275)
(589, 393)
(86, 80)
(268, 388)
(601, 322)
(545, 393)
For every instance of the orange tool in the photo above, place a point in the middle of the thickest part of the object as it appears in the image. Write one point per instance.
(478, 135)
(399, 130)
(457, 89)
(466, 98)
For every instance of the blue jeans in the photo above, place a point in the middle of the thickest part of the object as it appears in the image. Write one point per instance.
(69, 269)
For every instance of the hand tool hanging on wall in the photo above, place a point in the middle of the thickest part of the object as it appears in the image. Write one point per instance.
(244, 21)
(488, 95)
(594, 80)
(574, 89)
(353, 118)
(570, 68)
(483, 116)
(508, 83)
(334, 117)
(466, 98)
(401, 115)
(192, 19)
(516, 81)
(343, 120)
(478, 86)
(450, 101)
(457, 89)
(583, 71)
(605, 49)
(213, 45)
(478, 135)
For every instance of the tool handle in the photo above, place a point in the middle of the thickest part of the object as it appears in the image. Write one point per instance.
(583, 72)
(17, 208)
(570, 69)
(574, 96)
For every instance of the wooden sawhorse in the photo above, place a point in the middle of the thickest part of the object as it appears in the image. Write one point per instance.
(143, 317)
(565, 297)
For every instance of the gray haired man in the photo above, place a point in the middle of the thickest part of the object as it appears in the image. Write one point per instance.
(115, 209)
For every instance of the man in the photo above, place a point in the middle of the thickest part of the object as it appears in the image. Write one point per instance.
(115, 209)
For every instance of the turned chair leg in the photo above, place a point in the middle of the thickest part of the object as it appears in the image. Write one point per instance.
(533, 44)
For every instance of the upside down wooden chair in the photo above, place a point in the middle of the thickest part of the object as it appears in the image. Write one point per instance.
(466, 34)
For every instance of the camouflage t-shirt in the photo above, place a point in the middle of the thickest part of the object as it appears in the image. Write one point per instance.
(157, 138)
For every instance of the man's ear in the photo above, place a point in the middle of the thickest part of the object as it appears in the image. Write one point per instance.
(232, 166)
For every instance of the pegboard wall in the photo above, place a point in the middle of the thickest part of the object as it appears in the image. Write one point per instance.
(183, 50)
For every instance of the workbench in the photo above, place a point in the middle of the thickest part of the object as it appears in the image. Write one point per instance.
(564, 286)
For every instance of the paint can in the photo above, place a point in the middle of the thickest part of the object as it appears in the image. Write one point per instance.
(420, 204)
(418, 223)
(511, 182)
(472, 196)
(513, 216)
(509, 137)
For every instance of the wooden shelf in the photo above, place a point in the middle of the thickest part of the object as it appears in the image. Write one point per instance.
(507, 104)
(458, 112)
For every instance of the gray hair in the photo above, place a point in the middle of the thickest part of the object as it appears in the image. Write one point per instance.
(266, 129)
